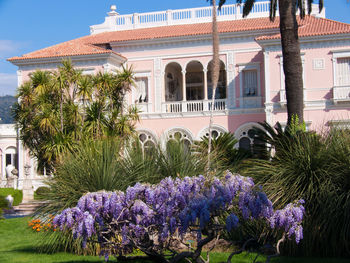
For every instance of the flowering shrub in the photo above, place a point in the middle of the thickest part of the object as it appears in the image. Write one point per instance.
(153, 218)
(38, 226)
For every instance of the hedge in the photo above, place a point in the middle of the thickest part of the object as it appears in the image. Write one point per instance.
(40, 193)
(16, 194)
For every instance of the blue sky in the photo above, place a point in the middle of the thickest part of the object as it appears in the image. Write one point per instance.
(26, 25)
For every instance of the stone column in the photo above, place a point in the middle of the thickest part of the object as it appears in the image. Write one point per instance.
(205, 71)
(158, 85)
(231, 87)
(206, 102)
(184, 85)
(28, 192)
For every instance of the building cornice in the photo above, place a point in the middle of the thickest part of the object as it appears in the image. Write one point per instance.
(112, 57)
(269, 43)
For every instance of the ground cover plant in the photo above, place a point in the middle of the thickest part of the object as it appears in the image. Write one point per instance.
(153, 218)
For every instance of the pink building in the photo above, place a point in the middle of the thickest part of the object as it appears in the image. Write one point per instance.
(171, 54)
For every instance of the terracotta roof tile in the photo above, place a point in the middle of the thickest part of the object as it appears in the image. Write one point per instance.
(75, 47)
(183, 30)
(313, 26)
(310, 26)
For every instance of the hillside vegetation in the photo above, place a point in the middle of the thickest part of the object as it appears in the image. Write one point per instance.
(6, 103)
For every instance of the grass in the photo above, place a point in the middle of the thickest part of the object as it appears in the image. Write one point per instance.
(18, 243)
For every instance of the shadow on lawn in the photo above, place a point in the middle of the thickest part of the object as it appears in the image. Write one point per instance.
(83, 261)
(29, 249)
(112, 260)
(38, 249)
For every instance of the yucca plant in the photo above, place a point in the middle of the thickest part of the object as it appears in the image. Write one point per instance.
(90, 167)
(314, 168)
(155, 162)
(225, 154)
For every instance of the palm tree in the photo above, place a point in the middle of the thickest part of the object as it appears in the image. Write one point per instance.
(292, 65)
(215, 75)
(95, 119)
(85, 90)
(124, 81)
(49, 117)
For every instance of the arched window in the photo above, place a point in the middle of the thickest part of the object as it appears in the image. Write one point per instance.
(147, 140)
(221, 88)
(246, 136)
(181, 136)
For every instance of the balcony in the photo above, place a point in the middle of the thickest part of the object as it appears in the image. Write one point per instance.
(341, 94)
(193, 106)
(283, 97)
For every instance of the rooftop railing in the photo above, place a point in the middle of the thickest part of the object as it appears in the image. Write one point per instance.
(116, 22)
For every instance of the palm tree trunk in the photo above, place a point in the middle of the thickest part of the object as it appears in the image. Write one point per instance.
(292, 65)
(61, 111)
(83, 117)
(215, 77)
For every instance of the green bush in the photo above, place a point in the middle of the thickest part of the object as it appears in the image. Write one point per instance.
(39, 194)
(111, 165)
(16, 194)
(3, 204)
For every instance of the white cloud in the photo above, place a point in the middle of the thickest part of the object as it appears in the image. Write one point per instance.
(8, 84)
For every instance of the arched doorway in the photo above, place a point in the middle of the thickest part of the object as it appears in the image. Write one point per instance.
(173, 82)
(194, 81)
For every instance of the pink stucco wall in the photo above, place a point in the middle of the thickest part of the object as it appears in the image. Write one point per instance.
(197, 124)
(246, 51)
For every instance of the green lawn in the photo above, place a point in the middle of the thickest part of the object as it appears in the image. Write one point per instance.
(18, 244)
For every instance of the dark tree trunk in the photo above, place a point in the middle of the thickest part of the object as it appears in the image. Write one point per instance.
(291, 59)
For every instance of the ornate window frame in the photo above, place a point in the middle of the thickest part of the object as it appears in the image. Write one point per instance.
(242, 132)
(169, 134)
(205, 131)
(150, 136)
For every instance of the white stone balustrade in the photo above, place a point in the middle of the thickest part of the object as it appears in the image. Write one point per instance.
(283, 97)
(116, 22)
(193, 106)
(341, 94)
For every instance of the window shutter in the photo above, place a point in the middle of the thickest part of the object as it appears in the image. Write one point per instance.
(250, 83)
(343, 71)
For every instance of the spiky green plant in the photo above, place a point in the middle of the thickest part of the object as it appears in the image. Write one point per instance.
(224, 153)
(110, 164)
(154, 163)
(315, 168)
(92, 166)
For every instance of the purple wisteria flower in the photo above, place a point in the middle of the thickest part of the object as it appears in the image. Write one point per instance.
(155, 214)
